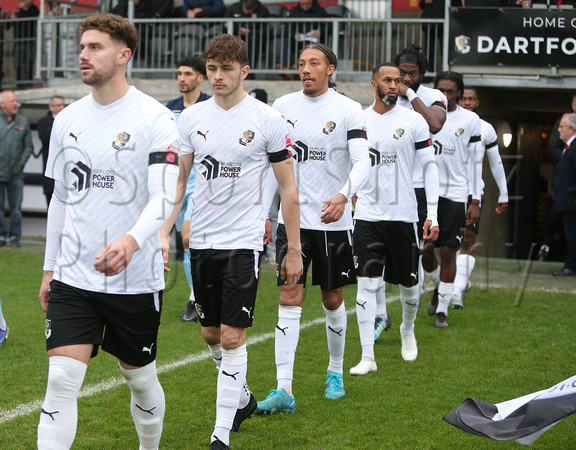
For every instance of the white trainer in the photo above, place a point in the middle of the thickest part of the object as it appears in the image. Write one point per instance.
(409, 346)
(365, 366)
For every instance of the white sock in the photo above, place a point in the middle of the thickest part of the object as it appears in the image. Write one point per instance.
(147, 404)
(381, 299)
(444, 295)
(231, 379)
(287, 335)
(216, 352)
(464, 267)
(336, 334)
(434, 276)
(2, 321)
(244, 396)
(410, 298)
(59, 416)
(366, 313)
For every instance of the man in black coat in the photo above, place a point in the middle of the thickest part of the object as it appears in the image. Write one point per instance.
(44, 129)
(564, 188)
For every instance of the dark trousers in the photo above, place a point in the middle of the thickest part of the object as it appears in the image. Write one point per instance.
(570, 232)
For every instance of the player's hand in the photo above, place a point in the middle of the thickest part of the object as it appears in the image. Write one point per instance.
(292, 268)
(333, 209)
(430, 232)
(115, 256)
(402, 88)
(473, 213)
(45, 289)
(165, 244)
(268, 233)
(501, 208)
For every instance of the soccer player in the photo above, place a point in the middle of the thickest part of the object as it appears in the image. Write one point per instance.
(331, 148)
(191, 73)
(386, 212)
(457, 152)
(231, 140)
(466, 260)
(431, 104)
(4, 329)
(114, 159)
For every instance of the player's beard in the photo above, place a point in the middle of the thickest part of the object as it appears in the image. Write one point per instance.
(385, 99)
(99, 77)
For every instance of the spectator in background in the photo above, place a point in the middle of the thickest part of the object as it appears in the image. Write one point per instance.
(44, 128)
(1, 48)
(25, 41)
(15, 149)
(143, 9)
(195, 9)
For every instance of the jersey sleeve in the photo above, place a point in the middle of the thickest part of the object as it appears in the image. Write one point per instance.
(475, 162)
(164, 145)
(54, 167)
(279, 145)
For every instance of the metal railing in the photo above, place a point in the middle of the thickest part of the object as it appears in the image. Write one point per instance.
(273, 49)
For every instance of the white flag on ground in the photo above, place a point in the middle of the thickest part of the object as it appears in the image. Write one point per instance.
(522, 419)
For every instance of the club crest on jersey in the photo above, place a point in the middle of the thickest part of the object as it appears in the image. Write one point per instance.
(355, 262)
(247, 138)
(329, 128)
(398, 133)
(48, 328)
(121, 141)
(459, 132)
(199, 310)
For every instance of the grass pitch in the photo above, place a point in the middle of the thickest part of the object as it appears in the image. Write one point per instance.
(492, 351)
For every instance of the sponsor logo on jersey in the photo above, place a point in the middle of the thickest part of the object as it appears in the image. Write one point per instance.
(459, 132)
(301, 151)
(82, 173)
(398, 133)
(103, 178)
(374, 156)
(121, 141)
(377, 158)
(214, 168)
(329, 128)
(247, 138)
(389, 158)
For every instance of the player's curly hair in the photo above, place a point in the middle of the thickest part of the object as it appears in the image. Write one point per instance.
(450, 75)
(227, 48)
(416, 51)
(330, 56)
(119, 28)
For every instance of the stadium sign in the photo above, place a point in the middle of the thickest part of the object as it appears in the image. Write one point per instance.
(512, 37)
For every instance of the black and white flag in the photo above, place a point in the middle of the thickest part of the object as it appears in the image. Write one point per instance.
(522, 419)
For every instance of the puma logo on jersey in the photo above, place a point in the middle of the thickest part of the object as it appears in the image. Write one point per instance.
(347, 273)
(361, 304)
(459, 238)
(51, 414)
(149, 350)
(282, 329)
(149, 411)
(292, 123)
(412, 274)
(339, 333)
(231, 375)
(247, 311)
(75, 137)
(202, 134)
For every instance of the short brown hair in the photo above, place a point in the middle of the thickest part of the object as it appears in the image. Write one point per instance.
(119, 28)
(227, 48)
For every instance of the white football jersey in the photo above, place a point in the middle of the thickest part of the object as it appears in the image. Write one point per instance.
(388, 193)
(489, 140)
(232, 152)
(320, 128)
(429, 97)
(457, 147)
(102, 155)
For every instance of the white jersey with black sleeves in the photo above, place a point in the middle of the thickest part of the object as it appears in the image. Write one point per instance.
(233, 150)
(102, 155)
(331, 152)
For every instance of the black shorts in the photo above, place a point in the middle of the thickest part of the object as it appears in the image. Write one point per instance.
(388, 244)
(422, 210)
(451, 220)
(475, 228)
(225, 284)
(126, 326)
(330, 253)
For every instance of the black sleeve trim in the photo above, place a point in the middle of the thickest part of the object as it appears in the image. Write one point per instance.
(439, 104)
(423, 144)
(493, 144)
(357, 134)
(475, 138)
(163, 158)
(280, 156)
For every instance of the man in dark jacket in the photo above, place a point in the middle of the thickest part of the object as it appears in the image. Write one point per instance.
(15, 149)
(564, 188)
(44, 128)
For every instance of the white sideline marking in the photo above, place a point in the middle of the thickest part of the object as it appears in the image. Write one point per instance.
(88, 391)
